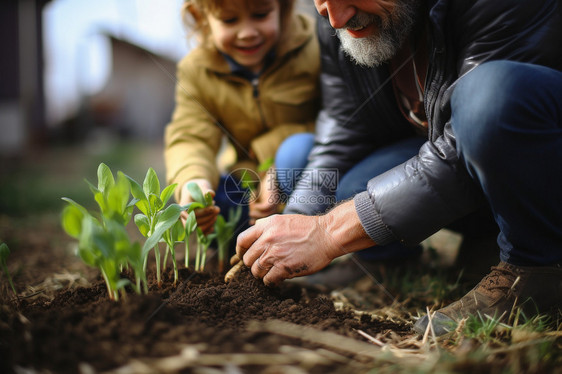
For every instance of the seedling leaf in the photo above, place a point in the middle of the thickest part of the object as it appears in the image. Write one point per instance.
(178, 231)
(105, 178)
(155, 202)
(164, 221)
(208, 199)
(72, 220)
(195, 192)
(151, 183)
(190, 223)
(70, 201)
(167, 193)
(266, 164)
(143, 224)
(4, 252)
(138, 193)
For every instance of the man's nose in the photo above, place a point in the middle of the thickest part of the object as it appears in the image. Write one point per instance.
(339, 12)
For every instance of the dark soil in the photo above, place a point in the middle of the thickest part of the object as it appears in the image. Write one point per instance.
(78, 329)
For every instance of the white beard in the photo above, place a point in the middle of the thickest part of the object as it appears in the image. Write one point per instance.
(376, 49)
(370, 51)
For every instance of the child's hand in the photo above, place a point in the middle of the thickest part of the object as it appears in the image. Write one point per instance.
(267, 201)
(206, 217)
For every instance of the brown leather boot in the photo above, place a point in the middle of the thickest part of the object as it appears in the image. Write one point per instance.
(532, 289)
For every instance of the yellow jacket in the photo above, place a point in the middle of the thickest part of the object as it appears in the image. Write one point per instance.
(211, 101)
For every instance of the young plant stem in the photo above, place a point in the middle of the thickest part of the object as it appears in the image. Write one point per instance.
(176, 275)
(157, 257)
(198, 255)
(110, 291)
(4, 253)
(222, 257)
(5, 270)
(165, 262)
(186, 261)
(203, 258)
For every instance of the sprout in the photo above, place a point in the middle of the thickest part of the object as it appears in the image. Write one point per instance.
(203, 241)
(174, 234)
(103, 242)
(155, 220)
(4, 253)
(190, 226)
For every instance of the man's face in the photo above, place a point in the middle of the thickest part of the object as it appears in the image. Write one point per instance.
(370, 31)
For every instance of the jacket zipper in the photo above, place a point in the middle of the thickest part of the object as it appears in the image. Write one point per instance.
(434, 77)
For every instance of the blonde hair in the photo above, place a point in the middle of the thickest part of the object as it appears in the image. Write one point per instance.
(194, 15)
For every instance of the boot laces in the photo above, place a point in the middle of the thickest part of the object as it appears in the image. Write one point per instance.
(500, 279)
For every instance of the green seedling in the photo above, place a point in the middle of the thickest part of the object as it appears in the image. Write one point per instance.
(174, 234)
(155, 218)
(203, 241)
(200, 200)
(190, 226)
(103, 241)
(112, 196)
(4, 253)
(102, 244)
(224, 231)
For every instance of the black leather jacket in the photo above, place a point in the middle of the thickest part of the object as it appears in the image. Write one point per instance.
(433, 189)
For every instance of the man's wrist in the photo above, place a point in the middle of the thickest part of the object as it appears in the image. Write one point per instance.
(344, 227)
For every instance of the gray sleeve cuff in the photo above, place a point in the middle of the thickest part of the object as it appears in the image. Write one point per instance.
(371, 220)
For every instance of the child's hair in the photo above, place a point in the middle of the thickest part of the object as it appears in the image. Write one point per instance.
(194, 14)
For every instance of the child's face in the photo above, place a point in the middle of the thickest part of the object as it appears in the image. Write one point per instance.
(246, 35)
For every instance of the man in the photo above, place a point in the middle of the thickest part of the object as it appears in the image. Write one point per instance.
(490, 81)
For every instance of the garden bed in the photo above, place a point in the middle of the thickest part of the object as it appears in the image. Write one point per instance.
(66, 323)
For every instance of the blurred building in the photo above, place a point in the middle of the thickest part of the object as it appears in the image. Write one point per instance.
(138, 99)
(22, 108)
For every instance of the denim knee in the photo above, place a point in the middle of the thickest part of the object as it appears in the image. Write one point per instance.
(485, 105)
(293, 152)
(291, 156)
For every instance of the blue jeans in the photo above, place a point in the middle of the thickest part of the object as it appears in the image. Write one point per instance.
(507, 120)
(292, 154)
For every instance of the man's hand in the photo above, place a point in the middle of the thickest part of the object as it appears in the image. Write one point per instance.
(206, 217)
(281, 247)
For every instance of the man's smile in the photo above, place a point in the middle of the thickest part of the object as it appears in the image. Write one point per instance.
(361, 32)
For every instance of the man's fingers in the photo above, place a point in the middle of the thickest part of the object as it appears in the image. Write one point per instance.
(260, 268)
(274, 276)
(234, 260)
(246, 240)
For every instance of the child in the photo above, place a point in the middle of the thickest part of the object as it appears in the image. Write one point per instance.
(254, 78)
